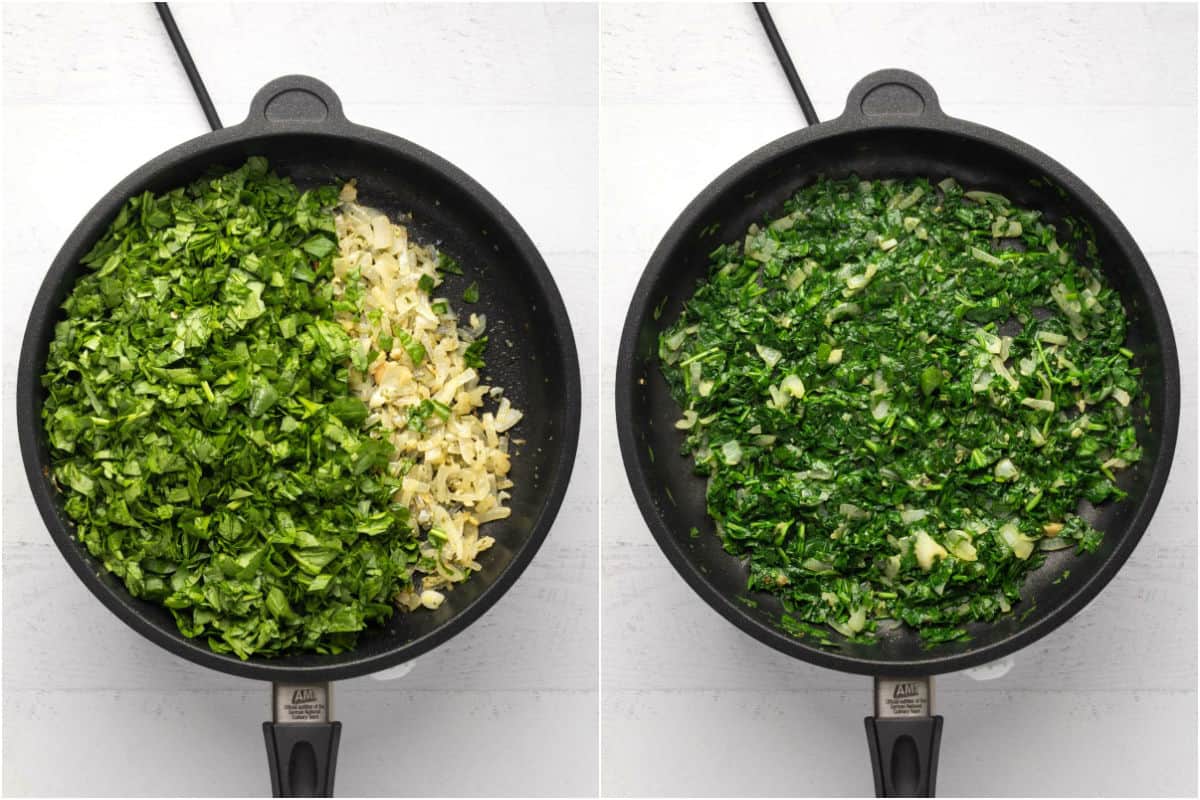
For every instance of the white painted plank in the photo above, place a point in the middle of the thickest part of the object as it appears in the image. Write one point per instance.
(210, 743)
(812, 743)
(378, 53)
(1018, 54)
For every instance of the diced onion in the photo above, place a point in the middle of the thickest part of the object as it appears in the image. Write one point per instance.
(768, 354)
(856, 283)
(912, 197)
(1005, 470)
(1056, 543)
(927, 550)
(455, 462)
(1020, 544)
(793, 386)
(842, 311)
(986, 257)
(689, 419)
(960, 545)
(1001, 370)
(980, 196)
(851, 511)
(1038, 404)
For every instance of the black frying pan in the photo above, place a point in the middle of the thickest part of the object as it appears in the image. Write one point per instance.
(297, 123)
(892, 127)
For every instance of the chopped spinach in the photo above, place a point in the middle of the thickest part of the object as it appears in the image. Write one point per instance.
(448, 265)
(201, 426)
(901, 393)
(473, 357)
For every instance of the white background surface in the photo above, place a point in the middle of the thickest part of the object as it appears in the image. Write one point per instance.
(508, 94)
(1106, 705)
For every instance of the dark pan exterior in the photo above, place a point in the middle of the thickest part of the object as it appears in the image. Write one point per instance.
(892, 128)
(297, 124)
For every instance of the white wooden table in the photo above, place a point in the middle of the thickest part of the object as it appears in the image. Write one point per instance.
(1106, 705)
(508, 93)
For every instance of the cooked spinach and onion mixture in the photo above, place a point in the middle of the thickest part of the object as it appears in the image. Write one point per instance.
(261, 416)
(903, 395)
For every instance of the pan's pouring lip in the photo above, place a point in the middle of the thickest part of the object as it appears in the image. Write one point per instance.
(632, 373)
(260, 128)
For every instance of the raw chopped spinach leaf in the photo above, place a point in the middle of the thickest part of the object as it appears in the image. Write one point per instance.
(201, 426)
(473, 357)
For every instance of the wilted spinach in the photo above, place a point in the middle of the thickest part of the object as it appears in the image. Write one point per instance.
(900, 393)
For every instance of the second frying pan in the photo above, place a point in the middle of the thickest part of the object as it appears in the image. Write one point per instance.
(892, 127)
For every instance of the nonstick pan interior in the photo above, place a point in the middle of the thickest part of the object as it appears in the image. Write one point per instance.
(531, 353)
(672, 496)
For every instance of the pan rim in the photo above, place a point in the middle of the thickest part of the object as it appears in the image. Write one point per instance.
(641, 304)
(116, 598)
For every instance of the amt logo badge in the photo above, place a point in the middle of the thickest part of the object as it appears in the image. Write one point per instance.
(905, 690)
(304, 696)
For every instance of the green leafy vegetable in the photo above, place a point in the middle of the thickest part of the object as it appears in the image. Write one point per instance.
(416, 350)
(201, 426)
(448, 264)
(471, 293)
(473, 357)
(903, 395)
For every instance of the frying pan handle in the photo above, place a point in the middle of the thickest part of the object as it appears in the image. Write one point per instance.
(302, 744)
(294, 99)
(303, 757)
(904, 738)
(891, 95)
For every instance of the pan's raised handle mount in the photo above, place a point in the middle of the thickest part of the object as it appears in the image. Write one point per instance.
(904, 736)
(294, 99)
(891, 95)
(302, 744)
